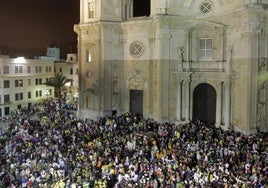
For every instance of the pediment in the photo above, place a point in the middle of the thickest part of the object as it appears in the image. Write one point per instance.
(203, 27)
(204, 24)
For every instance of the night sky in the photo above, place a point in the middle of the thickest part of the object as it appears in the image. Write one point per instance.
(29, 26)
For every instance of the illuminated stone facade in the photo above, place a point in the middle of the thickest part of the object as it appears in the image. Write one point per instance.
(184, 60)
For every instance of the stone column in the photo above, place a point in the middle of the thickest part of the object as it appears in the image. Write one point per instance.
(219, 106)
(188, 45)
(179, 102)
(187, 101)
(226, 104)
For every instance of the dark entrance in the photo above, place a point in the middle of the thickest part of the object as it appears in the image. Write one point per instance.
(136, 102)
(204, 103)
(141, 8)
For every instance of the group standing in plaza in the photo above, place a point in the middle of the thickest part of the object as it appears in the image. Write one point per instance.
(60, 150)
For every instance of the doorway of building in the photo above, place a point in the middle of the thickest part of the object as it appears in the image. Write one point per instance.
(204, 103)
(136, 102)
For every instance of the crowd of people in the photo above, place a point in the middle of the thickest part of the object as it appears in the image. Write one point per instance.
(58, 150)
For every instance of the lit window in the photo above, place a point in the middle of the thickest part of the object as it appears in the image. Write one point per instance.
(88, 56)
(205, 49)
(18, 83)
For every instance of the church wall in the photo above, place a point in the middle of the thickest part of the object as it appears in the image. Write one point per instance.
(160, 55)
(191, 7)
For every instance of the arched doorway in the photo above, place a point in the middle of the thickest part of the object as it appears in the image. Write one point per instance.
(204, 103)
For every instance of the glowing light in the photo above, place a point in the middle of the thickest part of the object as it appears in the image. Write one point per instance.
(68, 84)
(20, 60)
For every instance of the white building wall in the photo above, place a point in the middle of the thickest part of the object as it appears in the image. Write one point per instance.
(33, 75)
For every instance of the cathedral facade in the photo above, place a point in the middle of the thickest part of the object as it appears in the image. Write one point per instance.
(175, 61)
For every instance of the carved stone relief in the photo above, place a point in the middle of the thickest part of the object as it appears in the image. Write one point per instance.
(135, 81)
(262, 88)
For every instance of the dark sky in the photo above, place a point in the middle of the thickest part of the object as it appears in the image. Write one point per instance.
(29, 26)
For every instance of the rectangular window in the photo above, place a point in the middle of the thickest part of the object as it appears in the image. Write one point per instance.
(7, 111)
(48, 69)
(36, 81)
(89, 56)
(16, 96)
(6, 70)
(6, 98)
(18, 69)
(40, 69)
(36, 69)
(6, 84)
(40, 81)
(205, 49)
(36, 93)
(40, 93)
(18, 83)
(29, 95)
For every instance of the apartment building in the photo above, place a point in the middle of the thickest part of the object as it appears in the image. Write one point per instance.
(22, 83)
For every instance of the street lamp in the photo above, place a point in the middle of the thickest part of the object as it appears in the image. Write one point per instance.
(47, 93)
(76, 96)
